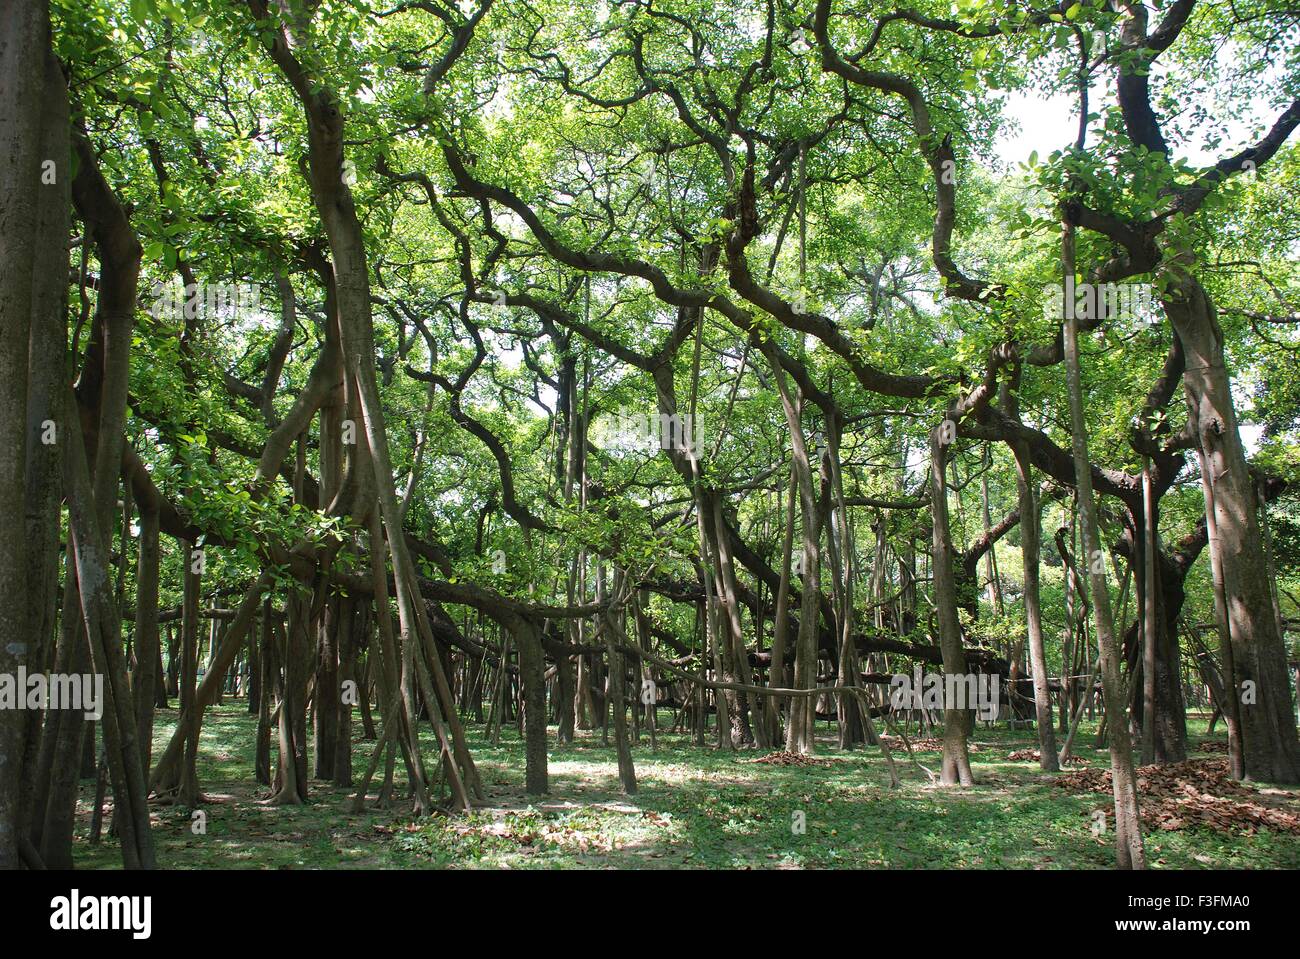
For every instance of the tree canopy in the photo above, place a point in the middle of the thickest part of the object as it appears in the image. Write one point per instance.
(583, 364)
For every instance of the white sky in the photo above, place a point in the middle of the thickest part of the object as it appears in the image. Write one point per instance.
(1045, 124)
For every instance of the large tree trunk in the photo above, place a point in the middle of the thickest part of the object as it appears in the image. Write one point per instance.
(59, 759)
(92, 500)
(46, 392)
(956, 756)
(23, 52)
(531, 677)
(617, 685)
(840, 548)
(1259, 681)
(325, 715)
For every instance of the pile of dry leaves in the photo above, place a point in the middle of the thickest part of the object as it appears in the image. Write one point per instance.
(1031, 756)
(791, 759)
(1197, 792)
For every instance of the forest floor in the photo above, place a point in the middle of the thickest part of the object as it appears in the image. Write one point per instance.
(713, 808)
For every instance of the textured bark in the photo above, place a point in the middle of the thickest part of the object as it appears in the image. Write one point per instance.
(103, 632)
(325, 715)
(564, 698)
(1168, 717)
(735, 657)
(531, 676)
(24, 27)
(1270, 750)
(46, 389)
(956, 755)
(801, 723)
(400, 711)
(617, 685)
(92, 496)
(1030, 549)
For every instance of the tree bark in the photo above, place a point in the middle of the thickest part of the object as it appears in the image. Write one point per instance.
(956, 756)
(1128, 832)
(23, 55)
(1270, 750)
(1031, 552)
(145, 677)
(801, 724)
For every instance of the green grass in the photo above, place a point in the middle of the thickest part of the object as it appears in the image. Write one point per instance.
(696, 807)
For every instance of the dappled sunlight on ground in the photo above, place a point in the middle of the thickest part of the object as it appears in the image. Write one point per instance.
(694, 808)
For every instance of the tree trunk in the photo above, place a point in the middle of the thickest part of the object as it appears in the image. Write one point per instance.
(531, 677)
(1259, 680)
(956, 756)
(352, 629)
(144, 680)
(781, 622)
(1128, 832)
(187, 783)
(1030, 549)
(801, 725)
(23, 56)
(46, 391)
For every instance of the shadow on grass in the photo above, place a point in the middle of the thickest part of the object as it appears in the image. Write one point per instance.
(695, 808)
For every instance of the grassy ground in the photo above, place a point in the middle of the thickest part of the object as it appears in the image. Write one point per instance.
(696, 807)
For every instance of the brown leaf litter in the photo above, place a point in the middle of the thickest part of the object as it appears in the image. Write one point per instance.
(1031, 756)
(790, 759)
(1197, 792)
